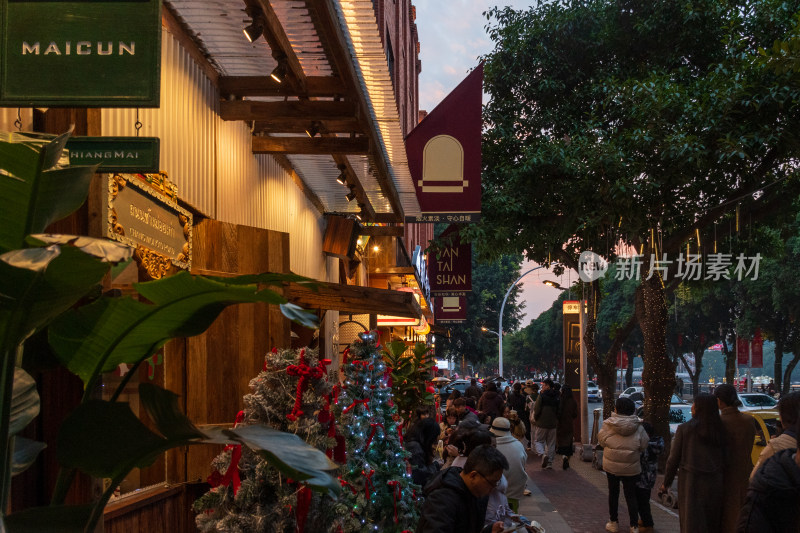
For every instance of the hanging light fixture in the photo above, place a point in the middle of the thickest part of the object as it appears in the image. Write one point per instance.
(342, 179)
(313, 129)
(279, 73)
(352, 194)
(255, 29)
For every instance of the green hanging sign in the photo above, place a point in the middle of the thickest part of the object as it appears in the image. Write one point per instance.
(83, 53)
(116, 154)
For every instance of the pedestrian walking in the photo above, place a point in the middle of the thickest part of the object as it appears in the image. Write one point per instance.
(531, 391)
(788, 408)
(740, 433)
(647, 479)
(545, 418)
(565, 432)
(698, 450)
(473, 391)
(623, 440)
(514, 452)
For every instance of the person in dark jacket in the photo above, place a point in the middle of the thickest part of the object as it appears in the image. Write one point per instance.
(647, 479)
(491, 404)
(545, 418)
(516, 400)
(773, 497)
(473, 391)
(420, 439)
(698, 449)
(455, 500)
(565, 432)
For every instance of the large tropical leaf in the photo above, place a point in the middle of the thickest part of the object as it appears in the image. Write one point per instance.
(100, 336)
(35, 190)
(105, 439)
(25, 453)
(37, 284)
(53, 519)
(24, 401)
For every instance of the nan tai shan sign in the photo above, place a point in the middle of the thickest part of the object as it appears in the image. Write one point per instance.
(450, 268)
(93, 53)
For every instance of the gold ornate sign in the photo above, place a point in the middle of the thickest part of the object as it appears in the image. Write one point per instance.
(140, 215)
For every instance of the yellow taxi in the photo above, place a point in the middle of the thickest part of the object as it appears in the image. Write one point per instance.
(766, 423)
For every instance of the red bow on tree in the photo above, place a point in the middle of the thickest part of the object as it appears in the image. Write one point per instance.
(305, 372)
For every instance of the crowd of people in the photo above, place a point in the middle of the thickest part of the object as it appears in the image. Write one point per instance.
(472, 464)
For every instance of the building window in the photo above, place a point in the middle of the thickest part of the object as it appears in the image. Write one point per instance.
(390, 56)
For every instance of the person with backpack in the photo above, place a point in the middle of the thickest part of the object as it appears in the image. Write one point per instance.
(647, 479)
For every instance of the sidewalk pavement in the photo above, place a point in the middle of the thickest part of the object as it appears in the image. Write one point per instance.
(576, 499)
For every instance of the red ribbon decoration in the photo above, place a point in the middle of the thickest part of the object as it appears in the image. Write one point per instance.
(232, 473)
(397, 493)
(345, 353)
(364, 402)
(305, 372)
(344, 484)
(302, 508)
(368, 481)
(372, 433)
(400, 434)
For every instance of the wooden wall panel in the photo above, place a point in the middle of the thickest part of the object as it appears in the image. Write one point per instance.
(221, 362)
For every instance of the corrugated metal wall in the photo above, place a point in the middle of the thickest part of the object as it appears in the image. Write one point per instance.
(212, 163)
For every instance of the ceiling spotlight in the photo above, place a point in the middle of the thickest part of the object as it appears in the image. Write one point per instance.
(360, 214)
(313, 129)
(342, 179)
(352, 194)
(279, 73)
(255, 29)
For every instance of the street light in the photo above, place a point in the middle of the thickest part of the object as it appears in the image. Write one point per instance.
(553, 284)
(490, 331)
(502, 307)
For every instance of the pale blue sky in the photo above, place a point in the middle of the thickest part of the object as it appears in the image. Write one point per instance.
(452, 35)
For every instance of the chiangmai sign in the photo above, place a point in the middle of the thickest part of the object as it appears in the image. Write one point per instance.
(93, 53)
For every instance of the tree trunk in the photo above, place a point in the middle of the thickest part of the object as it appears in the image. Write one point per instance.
(605, 366)
(730, 363)
(787, 376)
(658, 377)
(777, 368)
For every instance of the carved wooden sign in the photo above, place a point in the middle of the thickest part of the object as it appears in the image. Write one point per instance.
(150, 221)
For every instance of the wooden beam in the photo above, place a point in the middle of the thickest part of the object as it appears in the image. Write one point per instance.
(298, 110)
(307, 145)
(327, 24)
(383, 231)
(361, 195)
(354, 299)
(316, 86)
(293, 125)
(281, 46)
(396, 270)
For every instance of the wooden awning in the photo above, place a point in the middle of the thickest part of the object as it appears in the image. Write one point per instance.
(354, 299)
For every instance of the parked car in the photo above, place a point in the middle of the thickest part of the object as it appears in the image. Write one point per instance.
(630, 390)
(756, 401)
(497, 380)
(593, 393)
(678, 414)
(460, 385)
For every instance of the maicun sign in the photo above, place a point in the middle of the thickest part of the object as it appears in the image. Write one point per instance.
(80, 53)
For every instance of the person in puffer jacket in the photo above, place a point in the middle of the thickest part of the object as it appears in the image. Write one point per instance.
(623, 440)
(773, 497)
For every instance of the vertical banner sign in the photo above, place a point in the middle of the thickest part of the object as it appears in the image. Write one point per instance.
(742, 351)
(450, 309)
(757, 351)
(572, 343)
(89, 53)
(622, 359)
(444, 156)
(450, 270)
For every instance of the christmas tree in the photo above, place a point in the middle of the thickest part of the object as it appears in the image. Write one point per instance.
(248, 495)
(377, 491)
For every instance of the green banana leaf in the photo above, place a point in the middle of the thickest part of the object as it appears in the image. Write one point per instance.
(25, 453)
(38, 284)
(100, 336)
(24, 401)
(35, 190)
(107, 440)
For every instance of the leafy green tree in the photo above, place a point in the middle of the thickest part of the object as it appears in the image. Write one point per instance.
(638, 122)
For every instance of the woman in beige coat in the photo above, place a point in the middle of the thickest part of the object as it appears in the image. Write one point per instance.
(623, 440)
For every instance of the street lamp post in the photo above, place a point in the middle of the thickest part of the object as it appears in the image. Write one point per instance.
(493, 332)
(502, 307)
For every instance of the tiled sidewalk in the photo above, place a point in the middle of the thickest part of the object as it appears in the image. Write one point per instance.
(576, 500)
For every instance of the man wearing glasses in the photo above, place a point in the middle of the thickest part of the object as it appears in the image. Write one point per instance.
(455, 500)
